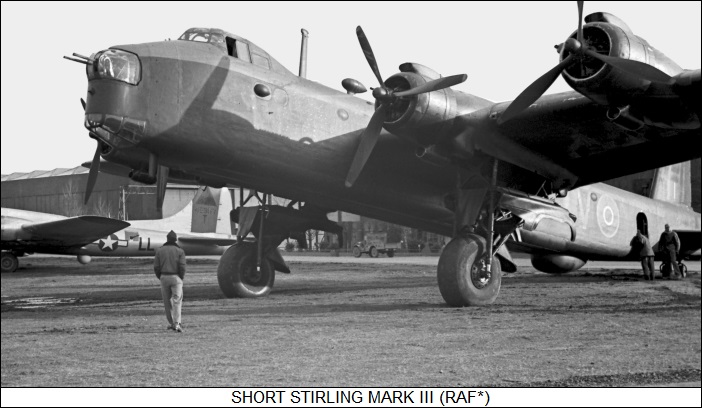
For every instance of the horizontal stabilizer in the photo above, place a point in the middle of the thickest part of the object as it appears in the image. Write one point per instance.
(208, 240)
(74, 231)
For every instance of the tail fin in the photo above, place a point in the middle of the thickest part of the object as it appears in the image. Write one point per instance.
(672, 184)
(210, 211)
(207, 212)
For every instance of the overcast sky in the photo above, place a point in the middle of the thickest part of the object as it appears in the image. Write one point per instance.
(502, 47)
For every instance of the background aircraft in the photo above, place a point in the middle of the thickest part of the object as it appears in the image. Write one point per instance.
(200, 229)
(215, 108)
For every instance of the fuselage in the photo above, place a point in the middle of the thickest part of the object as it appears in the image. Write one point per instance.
(249, 122)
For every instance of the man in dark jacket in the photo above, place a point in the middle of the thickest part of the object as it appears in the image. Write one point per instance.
(669, 244)
(169, 265)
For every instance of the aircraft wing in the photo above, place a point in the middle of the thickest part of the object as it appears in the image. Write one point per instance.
(208, 240)
(567, 137)
(71, 231)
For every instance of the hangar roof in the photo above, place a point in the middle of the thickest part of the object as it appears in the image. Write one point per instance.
(44, 173)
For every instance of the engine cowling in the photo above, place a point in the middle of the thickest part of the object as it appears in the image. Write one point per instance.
(424, 117)
(603, 83)
(556, 263)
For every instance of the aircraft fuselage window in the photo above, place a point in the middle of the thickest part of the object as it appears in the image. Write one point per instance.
(260, 60)
(238, 49)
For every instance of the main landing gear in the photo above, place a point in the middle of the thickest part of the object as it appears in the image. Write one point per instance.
(470, 268)
(464, 274)
(9, 262)
(247, 268)
(238, 275)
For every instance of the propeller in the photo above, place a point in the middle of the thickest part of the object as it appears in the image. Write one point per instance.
(578, 50)
(386, 97)
(161, 183)
(94, 170)
(94, 165)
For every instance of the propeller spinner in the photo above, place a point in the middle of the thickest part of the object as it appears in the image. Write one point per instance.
(579, 50)
(386, 97)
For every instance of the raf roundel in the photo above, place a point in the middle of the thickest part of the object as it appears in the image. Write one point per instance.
(607, 216)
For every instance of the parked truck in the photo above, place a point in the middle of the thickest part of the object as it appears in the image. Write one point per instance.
(374, 244)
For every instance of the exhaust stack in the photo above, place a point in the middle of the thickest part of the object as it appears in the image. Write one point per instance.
(303, 54)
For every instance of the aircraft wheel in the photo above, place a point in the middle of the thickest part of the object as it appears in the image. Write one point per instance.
(357, 252)
(237, 274)
(391, 253)
(373, 252)
(9, 262)
(462, 275)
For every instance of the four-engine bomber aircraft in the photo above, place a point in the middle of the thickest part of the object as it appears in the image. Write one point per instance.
(199, 232)
(216, 109)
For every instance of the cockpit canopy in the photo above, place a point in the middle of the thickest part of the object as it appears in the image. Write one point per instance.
(203, 35)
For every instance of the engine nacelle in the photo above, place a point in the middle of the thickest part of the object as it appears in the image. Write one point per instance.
(84, 259)
(424, 117)
(603, 83)
(556, 263)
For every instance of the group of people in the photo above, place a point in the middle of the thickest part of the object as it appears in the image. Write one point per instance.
(668, 245)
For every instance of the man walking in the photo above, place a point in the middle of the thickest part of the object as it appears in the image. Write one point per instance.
(169, 265)
(669, 244)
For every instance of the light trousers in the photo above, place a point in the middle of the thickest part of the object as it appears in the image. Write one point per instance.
(172, 293)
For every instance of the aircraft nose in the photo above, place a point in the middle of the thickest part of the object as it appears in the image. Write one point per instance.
(122, 84)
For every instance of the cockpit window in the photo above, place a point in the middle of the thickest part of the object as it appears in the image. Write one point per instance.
(238, 49)
(202, 35)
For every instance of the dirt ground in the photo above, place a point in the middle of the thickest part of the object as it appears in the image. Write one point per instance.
(345, 324)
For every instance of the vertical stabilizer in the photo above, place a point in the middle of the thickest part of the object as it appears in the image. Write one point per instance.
(672, 184)
(211, 209)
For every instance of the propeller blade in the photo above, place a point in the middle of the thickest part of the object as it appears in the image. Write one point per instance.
(580, 22)
(534, 91)
(92, 175)
(161, 183)
(637, 68)
(82, 102)
(368, 140)
(368, 52)
(434, 85)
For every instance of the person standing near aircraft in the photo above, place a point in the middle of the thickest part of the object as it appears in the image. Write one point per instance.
(646, 254)
(669, 244)
(169, 265)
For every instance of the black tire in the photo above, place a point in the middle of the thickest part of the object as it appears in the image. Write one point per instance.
(9, 262)
(237, 274)
(391, 253)
(665, 270)
(373, 252)
(459, 283)
(357, 252)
